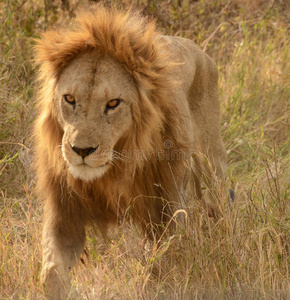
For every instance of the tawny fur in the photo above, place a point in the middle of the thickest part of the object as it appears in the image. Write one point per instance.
(174, 98)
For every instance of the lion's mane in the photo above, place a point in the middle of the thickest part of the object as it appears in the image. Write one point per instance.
(134, 42)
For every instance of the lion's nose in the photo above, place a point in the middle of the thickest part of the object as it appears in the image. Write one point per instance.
(84, 152)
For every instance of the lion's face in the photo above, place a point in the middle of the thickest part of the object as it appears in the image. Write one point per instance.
(93, 102)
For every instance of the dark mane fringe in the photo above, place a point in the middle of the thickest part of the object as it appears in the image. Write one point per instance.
(134, 42)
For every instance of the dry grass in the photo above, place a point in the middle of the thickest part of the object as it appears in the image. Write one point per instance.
(246, 255)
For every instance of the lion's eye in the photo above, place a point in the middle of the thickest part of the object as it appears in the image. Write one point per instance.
(113, 103)
(69, 99)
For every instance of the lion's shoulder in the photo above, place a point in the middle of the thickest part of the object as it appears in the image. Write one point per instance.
(191, 62)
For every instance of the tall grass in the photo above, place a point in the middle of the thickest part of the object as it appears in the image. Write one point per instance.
(246, 254)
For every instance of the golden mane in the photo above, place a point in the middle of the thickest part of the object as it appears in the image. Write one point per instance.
(127, 37)
(133, 41)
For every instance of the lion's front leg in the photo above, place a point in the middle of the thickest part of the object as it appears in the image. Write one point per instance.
(62, 247)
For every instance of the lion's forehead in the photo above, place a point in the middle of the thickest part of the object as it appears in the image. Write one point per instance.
(101, 78)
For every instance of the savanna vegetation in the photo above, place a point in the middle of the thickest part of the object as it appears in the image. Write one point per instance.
(246, 253)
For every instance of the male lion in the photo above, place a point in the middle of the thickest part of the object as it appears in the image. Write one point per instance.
(125, 117)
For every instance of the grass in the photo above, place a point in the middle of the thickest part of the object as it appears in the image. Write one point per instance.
(246, 255)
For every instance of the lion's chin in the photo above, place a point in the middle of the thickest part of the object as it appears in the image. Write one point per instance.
(87, 173)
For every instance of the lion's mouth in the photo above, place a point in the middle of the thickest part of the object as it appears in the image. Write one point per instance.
(93, 167)
(88, 168)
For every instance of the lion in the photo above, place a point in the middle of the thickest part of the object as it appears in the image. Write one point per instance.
(126, 119)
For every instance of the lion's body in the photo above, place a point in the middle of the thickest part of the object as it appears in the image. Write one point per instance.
(138, 153)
